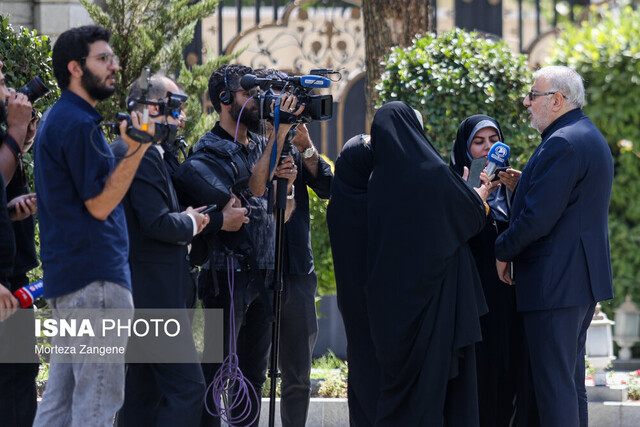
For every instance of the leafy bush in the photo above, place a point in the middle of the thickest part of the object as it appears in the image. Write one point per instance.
(25, 55)
(154, 33)
(605, 50)
(334, 385)
(323, 259)
(633, 391)
(328, 361)
(457, 74)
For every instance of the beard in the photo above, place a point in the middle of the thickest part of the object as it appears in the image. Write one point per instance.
(543, 119)
(249, 117)
(94, 87)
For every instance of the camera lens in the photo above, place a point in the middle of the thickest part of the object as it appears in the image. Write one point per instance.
(34, 90)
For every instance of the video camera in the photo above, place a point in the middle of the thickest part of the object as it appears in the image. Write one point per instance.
(318, 107)
(170, 106)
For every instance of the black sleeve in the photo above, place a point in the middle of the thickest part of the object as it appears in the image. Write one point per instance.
(321, 183)
(7, 239)
(150, 204)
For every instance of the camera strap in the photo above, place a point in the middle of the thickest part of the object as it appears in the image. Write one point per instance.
(274, 149)
(13, 146)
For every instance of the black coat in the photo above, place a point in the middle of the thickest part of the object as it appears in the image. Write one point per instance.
(424, 296)
(158, 236)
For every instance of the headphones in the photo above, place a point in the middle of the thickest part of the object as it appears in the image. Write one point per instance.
(226, 97)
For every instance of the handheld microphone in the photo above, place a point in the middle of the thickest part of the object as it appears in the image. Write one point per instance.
(498, 156)
(29, 293)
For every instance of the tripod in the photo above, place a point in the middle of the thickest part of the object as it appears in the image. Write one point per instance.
(280, 207)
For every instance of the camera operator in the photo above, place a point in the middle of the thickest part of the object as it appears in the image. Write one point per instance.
(17, 380)
(16, 113)
(226, 156)
(84, 241)
(159, 235)
(299, 327)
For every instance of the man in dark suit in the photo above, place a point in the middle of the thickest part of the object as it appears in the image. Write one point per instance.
(558, 242)
(162, 393)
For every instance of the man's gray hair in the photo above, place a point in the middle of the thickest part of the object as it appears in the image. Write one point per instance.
(157, 90)
(564, 80)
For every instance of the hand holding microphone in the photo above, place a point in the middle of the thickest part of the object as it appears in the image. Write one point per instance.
(498, 157)
(28, 294)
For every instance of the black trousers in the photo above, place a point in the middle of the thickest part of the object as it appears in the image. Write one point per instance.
(556, 340)
(252, 330)
(298, 334)
(162, 394)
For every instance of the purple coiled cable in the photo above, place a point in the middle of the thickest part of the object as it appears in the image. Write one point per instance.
(230, 390)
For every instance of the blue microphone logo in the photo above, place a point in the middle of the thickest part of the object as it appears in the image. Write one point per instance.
(499, 153)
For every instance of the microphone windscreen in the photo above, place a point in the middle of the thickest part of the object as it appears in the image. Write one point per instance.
(248, 81)
(498, 156)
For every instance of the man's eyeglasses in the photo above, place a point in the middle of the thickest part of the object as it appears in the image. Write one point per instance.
(107, 58)
(532, 94)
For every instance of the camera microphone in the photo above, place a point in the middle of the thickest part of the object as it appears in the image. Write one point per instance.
(249, 81)
(498, 156)
(309, 80)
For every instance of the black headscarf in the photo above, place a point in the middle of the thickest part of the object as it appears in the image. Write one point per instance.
(347, 221)
(461, 157)
(424, 296)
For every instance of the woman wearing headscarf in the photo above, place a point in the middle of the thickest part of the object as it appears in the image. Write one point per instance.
(423, 294)
(500, 357)
(347, 222)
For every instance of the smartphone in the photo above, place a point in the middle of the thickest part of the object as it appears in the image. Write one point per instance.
(12, 208)
(498, 170)
(209, 209)
(477, 166)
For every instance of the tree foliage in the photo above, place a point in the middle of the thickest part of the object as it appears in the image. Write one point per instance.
(605, 50)
(150, 33)
(25, 55)
(457, 74)
(320, 243)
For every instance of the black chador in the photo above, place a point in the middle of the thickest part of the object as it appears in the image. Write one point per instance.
(504, 381)
(347, 221)
(424, 297)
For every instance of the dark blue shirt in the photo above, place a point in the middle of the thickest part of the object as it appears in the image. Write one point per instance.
(76, 249)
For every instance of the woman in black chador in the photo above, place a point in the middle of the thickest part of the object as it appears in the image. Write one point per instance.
(347, 221)
(423, 294)
(500, 357)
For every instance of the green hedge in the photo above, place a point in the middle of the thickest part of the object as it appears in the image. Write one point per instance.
(605, 50)
(25, 55)
(322, 257)
(457, 74)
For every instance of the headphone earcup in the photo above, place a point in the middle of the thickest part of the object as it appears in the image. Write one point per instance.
(225, 97)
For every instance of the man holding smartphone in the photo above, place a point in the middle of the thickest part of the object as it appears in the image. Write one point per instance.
(159, 236)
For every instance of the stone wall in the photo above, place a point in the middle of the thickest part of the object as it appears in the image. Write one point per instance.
(50, 17)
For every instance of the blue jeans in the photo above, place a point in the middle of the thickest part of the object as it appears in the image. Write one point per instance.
(84, 394)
